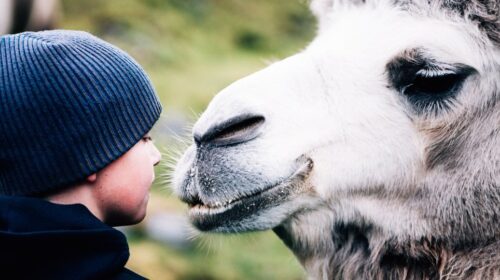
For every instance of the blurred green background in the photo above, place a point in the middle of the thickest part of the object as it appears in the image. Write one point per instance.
(191, 50)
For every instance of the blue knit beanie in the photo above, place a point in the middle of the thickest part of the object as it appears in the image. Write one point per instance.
(70, 104)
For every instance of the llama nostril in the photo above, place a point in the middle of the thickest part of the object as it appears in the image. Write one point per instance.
(236, 130)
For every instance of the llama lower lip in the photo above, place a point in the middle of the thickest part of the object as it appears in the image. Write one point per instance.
(200, 209)
(210, 218)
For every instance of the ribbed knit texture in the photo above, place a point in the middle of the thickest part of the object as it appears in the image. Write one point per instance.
(70, 104)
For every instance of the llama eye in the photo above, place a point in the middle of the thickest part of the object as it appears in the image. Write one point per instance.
(434, 84)
(428, 85)
(434, 89)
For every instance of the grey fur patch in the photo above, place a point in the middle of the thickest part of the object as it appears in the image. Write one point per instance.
(484, 13)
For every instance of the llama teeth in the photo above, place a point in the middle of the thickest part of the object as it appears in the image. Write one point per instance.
(216, 205)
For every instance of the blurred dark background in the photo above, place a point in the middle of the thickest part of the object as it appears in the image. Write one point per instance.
(191, 49)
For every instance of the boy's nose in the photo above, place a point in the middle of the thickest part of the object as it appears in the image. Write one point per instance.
(156, 155)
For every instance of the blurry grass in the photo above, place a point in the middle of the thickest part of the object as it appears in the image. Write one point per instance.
(255, 256)
(192, 49)
(248, 257)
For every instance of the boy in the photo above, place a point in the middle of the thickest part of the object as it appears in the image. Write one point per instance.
(75, 155)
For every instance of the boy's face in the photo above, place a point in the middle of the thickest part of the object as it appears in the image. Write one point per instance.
(123, 186)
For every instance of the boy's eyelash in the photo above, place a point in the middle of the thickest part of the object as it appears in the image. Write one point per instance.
(147, 138)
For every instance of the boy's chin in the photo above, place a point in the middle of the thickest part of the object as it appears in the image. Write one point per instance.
(126, 220)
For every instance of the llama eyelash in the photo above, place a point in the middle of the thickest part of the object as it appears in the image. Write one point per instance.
(435, 107)
(435, 72)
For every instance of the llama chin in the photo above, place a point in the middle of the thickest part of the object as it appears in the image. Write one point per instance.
(373, 153)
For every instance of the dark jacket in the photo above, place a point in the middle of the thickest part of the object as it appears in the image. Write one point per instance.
(42, 240)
